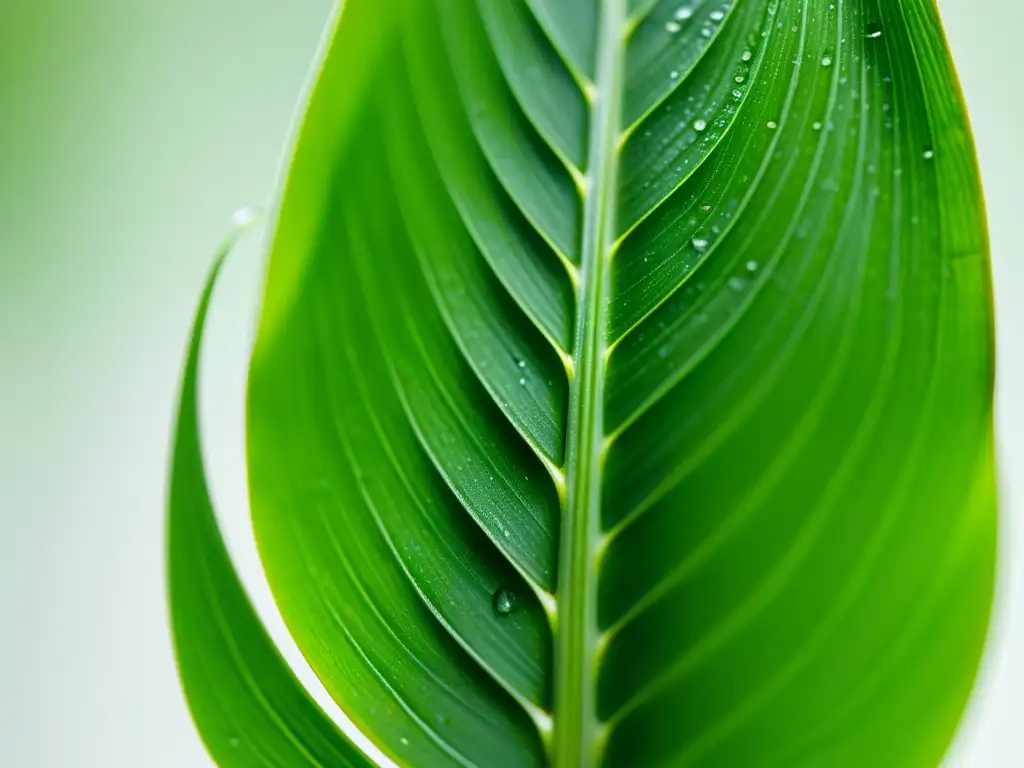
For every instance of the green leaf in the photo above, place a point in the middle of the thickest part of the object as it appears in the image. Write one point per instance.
(248, 707)
(622, 391)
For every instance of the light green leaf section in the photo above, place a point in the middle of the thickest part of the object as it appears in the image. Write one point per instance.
(622, 392)
(248, 707)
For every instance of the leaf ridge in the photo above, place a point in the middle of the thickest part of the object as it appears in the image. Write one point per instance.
(811, 418)
(572, 27)
(812, 179)
(531, 173)
(683, 131)
(538, 79)
(631, 347)
(658, 47)
(577, 735)
(524, 263)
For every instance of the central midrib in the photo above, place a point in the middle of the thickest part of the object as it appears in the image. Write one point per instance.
(577, 732)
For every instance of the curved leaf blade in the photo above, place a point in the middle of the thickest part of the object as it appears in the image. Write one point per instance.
(246, 703)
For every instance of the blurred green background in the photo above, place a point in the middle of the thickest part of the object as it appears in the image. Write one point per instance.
(130, 130)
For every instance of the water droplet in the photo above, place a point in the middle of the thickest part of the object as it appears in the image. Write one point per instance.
(737, 283)
(233, 742)
(747, 56)
(683, 13)
(826, 61)
(739, 78)
(751, 266)
(672, 27)
(928, 154)
(673, 74)
(521, 363)
(699, 125)
(705, 31)
(737, 94)
(874, 30)
(716, 15)
(522, 382)
(243, 217)
(700, 243)
(816, 125)
(772, 124)
(404, 740)
(504, 601)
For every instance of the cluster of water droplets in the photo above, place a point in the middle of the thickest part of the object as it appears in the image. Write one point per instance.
(684, 13)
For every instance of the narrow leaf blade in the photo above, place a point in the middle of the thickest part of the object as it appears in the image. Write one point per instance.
(247, 705)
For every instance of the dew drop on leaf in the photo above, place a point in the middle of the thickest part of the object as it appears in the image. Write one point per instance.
(874, 30)
(700, 243)
(504, 601)
(243, 217)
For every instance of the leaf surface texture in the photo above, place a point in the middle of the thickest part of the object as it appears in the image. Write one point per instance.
(622, 393)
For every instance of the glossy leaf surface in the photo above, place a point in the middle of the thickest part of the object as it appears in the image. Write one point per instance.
(622, 393)
(248, 707)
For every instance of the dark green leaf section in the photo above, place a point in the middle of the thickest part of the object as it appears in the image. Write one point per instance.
(495, 470)
(545, 87)
(526, 377)
(799, 495)
(529, 169)
(397, 579)
(665, 47)
(248, 707)
(699, 109)
(401, 471)
(572, 27)
(522, 261)
(638, 10)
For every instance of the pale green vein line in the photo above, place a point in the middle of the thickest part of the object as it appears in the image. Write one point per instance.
(754, 397)
(659, 392)
(784, 569)
(578, 737)
(431, 523)
(428, 731)
(247, 672)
